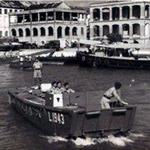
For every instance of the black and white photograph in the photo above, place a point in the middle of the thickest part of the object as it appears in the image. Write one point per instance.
(74, 74)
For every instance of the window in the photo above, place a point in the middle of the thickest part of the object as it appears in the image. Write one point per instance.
(42, 31)
(50, 31)
(27, 31)
(13, 31)
(6, 33)
(0, 11)
(10, 11)
(5, 11)
(0, 33)
(20, 33)
(82, 31)
(35, 32)
(67, 31)
(74, 31)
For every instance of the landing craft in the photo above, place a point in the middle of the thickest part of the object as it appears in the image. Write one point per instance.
(71, 115)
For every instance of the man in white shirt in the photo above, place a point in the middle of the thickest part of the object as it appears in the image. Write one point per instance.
(110, 93)
(67, 89)
(37, 75)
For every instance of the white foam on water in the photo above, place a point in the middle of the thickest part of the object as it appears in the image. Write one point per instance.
(83, 142)
(137, 135)
(118, 141)
(52, 139)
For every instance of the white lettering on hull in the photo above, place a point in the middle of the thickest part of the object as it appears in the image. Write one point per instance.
(56, 117)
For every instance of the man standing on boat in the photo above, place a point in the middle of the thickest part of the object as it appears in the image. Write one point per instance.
(112, 92)
(37, 75)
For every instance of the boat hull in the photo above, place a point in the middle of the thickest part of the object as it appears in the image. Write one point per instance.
(65, 60)
(75, 121)
(111, 62)
(21, 65)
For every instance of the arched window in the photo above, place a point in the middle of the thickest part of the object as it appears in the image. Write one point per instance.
(96, 31)
(96, 14)
(20, 32)
(1, 33)
(115, 13)
(35, 32)
(27, 31)
(59, 32)
(106, 13)
(50, 31)
(6, 33)
(126, 12)
(147, 12)
(136, 11)
(105, 30)
(136, 29)
(42, 30)
(126, 29)
(67, 31)
(115, 28)
(13, 32)
(74, 31)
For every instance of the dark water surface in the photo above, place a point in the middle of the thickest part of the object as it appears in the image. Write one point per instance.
(18, 134)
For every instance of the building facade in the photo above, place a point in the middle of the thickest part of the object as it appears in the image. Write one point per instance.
(131, 19)
(45, 22)
(7, 7)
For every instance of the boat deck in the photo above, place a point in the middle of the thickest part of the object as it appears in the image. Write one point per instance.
(120, 58)
(88, 100)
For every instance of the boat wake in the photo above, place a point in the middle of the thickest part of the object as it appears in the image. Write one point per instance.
(120, 141)
(52, 139)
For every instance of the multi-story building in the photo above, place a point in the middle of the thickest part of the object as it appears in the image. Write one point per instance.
(7, 7)
(51, 21)
(131, 19)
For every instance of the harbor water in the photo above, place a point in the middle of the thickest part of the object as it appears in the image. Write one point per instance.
(18, 134)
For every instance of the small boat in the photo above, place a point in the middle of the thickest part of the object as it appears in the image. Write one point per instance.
(71, 115)
(25, 64)
(66, 56)
(58, 60)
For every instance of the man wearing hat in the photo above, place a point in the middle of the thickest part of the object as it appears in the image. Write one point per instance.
(37, 75)
(112, 92)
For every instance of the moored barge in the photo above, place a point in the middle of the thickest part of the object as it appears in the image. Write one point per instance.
(120, 55)
(25, 64)
(92, 60)
(71, 115)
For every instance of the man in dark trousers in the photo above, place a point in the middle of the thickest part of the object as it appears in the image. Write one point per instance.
(109, 94)
(37, 75)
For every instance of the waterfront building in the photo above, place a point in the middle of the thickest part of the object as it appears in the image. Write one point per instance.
(131, 19)
(51, 21)
(7, 7)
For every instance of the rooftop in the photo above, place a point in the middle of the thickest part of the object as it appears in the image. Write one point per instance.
(11, 4)
(43, 6)
(49, 5)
